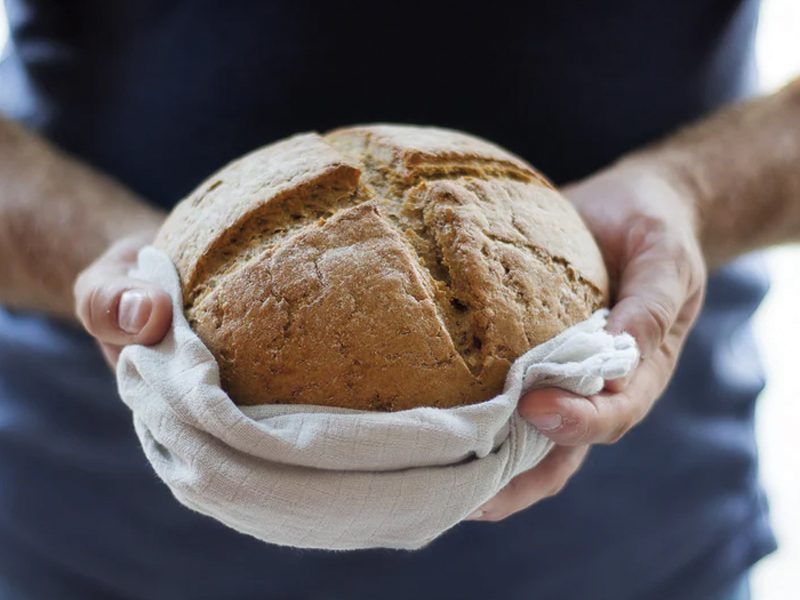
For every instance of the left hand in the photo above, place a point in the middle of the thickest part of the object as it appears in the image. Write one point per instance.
(645, 224)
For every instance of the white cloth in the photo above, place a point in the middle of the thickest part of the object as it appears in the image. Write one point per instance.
(341, 479)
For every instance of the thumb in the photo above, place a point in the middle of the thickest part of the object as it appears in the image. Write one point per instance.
(117, 309)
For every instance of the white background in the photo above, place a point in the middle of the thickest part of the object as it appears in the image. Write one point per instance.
(778, 330)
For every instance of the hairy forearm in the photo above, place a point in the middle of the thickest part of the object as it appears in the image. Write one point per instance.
(740, 169)
(56, 216)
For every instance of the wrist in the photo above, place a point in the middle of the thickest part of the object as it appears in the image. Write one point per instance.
(664, 175)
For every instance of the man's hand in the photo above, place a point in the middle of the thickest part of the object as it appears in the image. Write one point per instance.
(117, 309)
(646, 227)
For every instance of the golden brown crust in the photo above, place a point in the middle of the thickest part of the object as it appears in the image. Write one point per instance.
(379, 267)
(261, 194)
(340, 310)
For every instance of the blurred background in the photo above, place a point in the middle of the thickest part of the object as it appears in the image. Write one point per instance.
(778, 331)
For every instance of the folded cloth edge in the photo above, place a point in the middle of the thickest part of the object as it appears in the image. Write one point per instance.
(227, 461)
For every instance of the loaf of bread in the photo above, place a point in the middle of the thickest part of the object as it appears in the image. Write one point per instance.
(379, 268)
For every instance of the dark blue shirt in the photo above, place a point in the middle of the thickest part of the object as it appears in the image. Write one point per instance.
(162, 92)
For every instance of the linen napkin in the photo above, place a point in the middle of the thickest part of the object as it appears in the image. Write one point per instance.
(333, 478)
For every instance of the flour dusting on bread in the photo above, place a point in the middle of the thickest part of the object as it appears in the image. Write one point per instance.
(379, 267)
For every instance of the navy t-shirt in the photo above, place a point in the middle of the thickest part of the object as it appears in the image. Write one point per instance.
(160, 93)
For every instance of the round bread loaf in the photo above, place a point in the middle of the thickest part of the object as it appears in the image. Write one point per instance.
(379, 267)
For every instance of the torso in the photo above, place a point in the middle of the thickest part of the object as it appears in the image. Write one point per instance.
(162, 93)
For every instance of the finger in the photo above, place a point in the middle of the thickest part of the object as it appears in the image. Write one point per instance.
(660, 273)
(124, 311)
(120, 310)
(546, 479)
(569, 419)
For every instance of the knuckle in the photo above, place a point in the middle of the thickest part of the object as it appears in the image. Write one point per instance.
(688, 264)
(671, 352)
(555, 489)
(628, 421)
(495, 515)
(558, 485)
(624, 420)
(618, 431)
(657, 320)
(685, 254)
(698, 277)
(646, 230)
(695, 302)
(661, 313)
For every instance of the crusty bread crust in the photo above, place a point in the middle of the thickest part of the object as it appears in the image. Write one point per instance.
(379, 267)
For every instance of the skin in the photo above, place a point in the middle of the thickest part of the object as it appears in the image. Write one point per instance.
(662, 216)
(658, 278)
(57, 215)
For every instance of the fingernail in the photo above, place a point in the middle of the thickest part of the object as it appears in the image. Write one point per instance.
(547, 422)
(475, 515)
(134, 311)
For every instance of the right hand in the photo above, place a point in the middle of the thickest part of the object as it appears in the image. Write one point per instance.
(117, 309)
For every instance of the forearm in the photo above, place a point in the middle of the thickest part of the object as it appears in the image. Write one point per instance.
(741, 170)
(56, 216)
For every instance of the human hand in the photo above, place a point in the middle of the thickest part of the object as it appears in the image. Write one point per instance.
(646, 227)
(117, 309)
